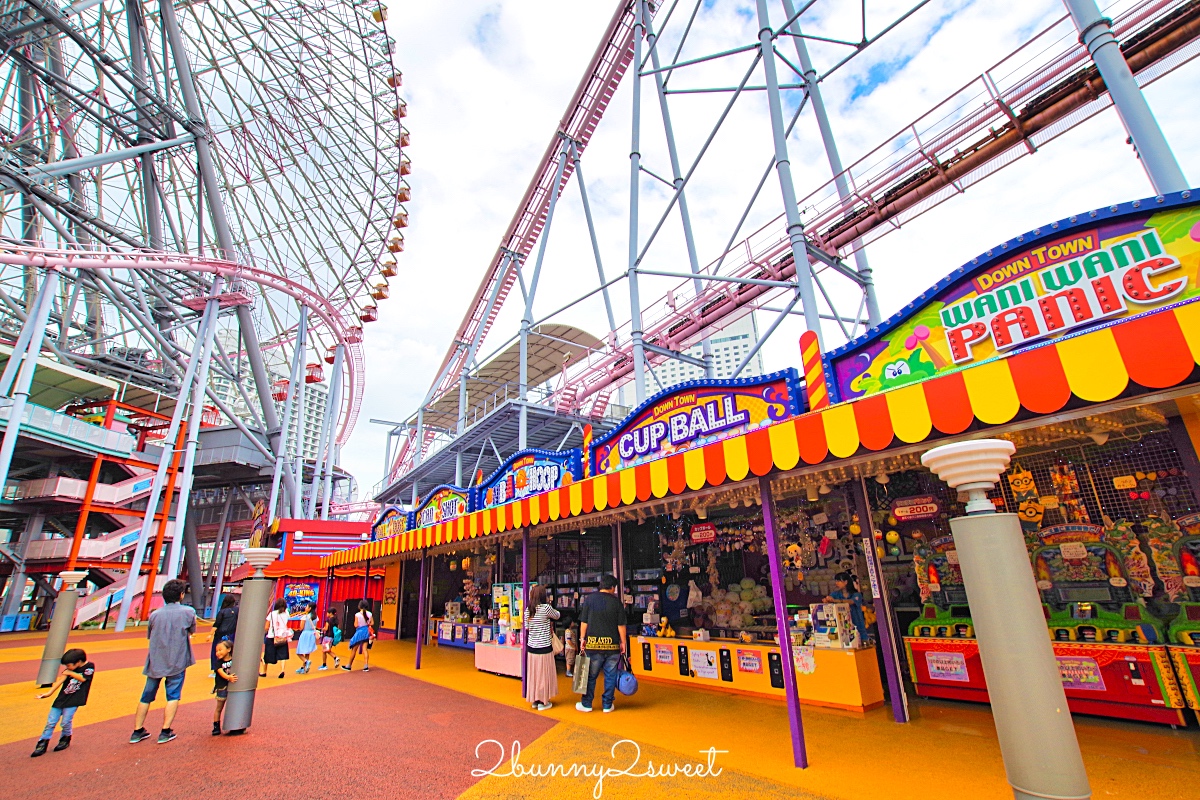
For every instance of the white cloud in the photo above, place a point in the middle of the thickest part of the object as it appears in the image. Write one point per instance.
(487, 84)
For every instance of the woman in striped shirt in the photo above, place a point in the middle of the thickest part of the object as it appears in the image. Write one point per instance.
(541, 674)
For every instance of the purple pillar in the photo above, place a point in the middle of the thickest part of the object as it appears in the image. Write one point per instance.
(400, 599)
(888, 641)
(422, 617)
(524, 603)
(779, 593)
(367, 581)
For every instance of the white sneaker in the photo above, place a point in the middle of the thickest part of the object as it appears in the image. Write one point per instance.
(581, 707)
(545, 706)
(610, 709)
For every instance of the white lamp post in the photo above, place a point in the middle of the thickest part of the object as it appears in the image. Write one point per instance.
(1029, 706)
(248, 638)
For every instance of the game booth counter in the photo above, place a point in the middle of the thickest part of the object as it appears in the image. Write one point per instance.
(1078, 341)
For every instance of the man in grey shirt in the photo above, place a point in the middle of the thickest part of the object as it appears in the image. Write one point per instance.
(170, 655)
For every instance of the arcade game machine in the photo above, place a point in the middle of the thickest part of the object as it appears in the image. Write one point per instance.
(1111, 652)
(1179, 568)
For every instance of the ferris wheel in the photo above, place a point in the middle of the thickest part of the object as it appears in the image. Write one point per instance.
(105, 109)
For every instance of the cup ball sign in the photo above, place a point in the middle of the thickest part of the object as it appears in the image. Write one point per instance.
(913, 509)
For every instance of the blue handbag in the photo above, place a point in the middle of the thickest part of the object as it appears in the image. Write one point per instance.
(627, 682)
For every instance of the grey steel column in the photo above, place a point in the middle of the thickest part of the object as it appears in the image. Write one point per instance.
(60, 627)
(36, 321)
(137, 55)
(295, 377)
(677, 180)
(208, 333)
(527, 318)
(322, 443)
(160, 476)
(587, 215)
(17, 581)
(783, 167)
(216, 206)
(301, 412)
(1029, 706)
(635, 168)
(835, 159)
(458, 481)
(191, 559)
(248, 639)
(1095, 33)
(334, 408)
(417, 455)
(217, 571)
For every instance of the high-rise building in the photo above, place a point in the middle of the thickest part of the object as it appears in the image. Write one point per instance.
(729, 347)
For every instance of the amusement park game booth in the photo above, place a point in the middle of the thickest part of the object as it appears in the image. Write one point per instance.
(728, 507)
(302, 581)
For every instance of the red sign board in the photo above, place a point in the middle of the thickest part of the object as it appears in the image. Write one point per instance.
(911, 509)
(703, 532)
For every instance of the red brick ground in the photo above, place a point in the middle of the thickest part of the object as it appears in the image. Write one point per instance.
(377, 735)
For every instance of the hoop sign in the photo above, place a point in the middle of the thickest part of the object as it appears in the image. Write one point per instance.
(446, 503)
(1064, 278)
(704, 532)
(392, 520)
(911, 509)
(697, 413)
(529, 472)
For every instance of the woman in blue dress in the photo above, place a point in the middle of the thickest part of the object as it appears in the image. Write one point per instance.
(307, 642)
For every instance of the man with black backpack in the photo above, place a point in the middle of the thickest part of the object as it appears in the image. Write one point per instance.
(602, 637)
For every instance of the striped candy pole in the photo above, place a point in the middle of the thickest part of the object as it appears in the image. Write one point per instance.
(814, 371)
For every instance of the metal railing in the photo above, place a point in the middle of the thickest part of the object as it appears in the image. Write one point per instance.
(71, 431)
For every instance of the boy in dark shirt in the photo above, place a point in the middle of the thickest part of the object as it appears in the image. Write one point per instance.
(602, 636)
(221, 680)
(73, 684)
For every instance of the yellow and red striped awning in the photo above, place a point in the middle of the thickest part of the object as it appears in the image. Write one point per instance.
(1156, 351)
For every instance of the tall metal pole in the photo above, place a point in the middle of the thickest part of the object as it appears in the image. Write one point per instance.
(587, 214)
(160, 476)
(301, 411)
(779, 594)
(209, 334)
(294, 380)
(835, 159)
(422, 617)
(137, 54)
(335, 407)
(212, 192)
(527, 318)
(1095, 33)
(783, 167)
(220, 556)
(524, 607)
(635, 168)
(888, 641)
(677, 181)
(36, 320)
(256, 599)
(322, 443)
(60, 627)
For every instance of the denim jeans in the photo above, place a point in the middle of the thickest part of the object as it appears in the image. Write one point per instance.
(174, 687)
(65, 714)
(609, 663)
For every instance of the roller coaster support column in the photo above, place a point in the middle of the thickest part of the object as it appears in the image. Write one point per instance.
(216, 207)
(795, 229)
(209, 334)
(635, 169)
(297, 495)
(527, 319)
(295, 377)
(835, 160)
(677, 181)
(1029, 706)
(334, 407)
(170, 441)
(1095, 33)
(26, 360)
(323, 442)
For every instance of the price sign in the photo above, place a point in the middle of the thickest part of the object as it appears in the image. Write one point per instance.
(1073, 551)
(703, 532)
(1124, 482)
(911, 509)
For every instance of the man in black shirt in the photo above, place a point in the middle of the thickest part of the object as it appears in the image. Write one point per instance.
(602, 636)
